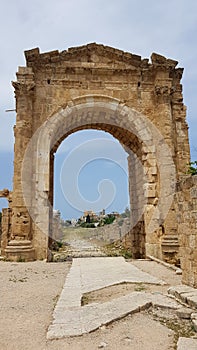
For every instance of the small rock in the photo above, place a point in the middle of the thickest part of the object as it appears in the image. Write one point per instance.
(178, 272)
(184, 312)
(127, 340)
(102, 345)
(194, 321)
(194, 316)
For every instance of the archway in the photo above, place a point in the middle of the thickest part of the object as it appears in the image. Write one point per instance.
(137, 135)
(97, 87)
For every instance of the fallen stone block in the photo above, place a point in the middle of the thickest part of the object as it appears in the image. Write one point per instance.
(186, 294)
(165, 302)
(194, 322)
(184, 313)
(187, 344)
(178, 290)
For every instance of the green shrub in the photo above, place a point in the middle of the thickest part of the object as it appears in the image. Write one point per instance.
(87, 224)
(59, 244)
(109, 220)
(193, 168)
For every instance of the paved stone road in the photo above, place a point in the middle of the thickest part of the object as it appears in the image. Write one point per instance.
(70, 318)
(82, 248)
(78, 248)
(86, 275)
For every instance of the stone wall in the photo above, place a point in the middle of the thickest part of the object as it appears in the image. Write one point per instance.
(57, 226)
(6, 228)
(186, 207)
(6, 220)
(0, 232)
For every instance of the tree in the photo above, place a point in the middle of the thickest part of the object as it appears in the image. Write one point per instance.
(193, 168)
(126, 213)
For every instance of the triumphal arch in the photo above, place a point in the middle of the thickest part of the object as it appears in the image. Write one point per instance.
(139, 101)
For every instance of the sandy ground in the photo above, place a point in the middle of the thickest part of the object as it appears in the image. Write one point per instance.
(29, 292)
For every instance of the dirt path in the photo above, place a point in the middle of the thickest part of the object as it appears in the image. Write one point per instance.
(29, 292)
(78, 243)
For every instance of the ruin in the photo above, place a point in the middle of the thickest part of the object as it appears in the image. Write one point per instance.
(138, 101)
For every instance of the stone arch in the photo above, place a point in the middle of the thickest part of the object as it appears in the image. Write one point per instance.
(132, 129)
(137, 100)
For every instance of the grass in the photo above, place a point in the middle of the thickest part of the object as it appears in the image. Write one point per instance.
(113, 250)
(140, 288)
(180, 327)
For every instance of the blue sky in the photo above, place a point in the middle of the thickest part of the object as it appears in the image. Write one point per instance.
(137, 26)
(91, 174)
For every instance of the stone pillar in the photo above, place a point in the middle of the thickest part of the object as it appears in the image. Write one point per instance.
(19, 247)
(137, 202)
(186, 206)
(51, 186)
(151, 194)
(6, 228)
(180, 137)
(6, 220)
(170, 101)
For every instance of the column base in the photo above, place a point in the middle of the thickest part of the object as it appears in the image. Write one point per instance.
(20, 251)
(170, 249)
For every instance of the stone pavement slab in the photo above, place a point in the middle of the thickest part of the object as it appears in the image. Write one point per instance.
(71, 319)
(90, 317)
(97, 273)
(186, 294)
(187, 344)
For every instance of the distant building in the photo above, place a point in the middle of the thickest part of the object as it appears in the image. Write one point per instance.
(57, 227)
(73, 222)
(115, 213)
(102, 213)
(91, 214)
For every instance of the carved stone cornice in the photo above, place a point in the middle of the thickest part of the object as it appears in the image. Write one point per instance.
(162, 90)
(4, 193)
(25, 88)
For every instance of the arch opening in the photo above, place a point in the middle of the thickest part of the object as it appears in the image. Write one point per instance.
(94, 188)
(88, 148)
(107, 114)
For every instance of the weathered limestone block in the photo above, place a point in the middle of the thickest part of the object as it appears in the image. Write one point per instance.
(6, 228)
(4, 193)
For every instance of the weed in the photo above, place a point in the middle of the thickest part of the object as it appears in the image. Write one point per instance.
(140, 287)
(20, 259)
(84, 300)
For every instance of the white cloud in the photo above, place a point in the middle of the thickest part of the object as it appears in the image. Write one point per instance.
(136, 26)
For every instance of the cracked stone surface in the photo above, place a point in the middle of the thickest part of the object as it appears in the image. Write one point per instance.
(86, 275)
(186, 294)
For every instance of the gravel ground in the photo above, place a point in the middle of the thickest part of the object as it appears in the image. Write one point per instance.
(29, 292)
